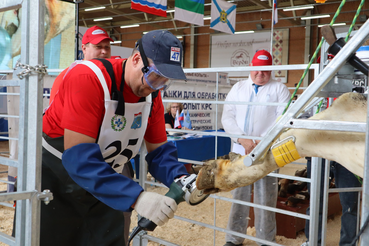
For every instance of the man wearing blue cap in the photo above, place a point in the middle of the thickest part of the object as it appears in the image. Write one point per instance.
(97, 125)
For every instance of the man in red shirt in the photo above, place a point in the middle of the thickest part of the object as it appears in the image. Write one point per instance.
(93, 128)
(95, 44)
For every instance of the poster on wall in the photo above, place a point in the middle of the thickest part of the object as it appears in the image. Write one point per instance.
(238, 50)
(201, 87)
(59, 35)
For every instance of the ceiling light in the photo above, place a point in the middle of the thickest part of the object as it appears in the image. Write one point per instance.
(170, 11)
(144, 33)
(335, 24)
(243, 32)
(95, 8)
(298, 8)
(207, 18)
(116, 42)
(207, 4)
(103, 19)
(314, 17)
(129, 26)
(179, 36)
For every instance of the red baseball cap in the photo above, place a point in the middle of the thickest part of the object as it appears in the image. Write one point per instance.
(262, 58)
(95, 35)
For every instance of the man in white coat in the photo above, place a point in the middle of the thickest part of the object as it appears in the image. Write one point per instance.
(254, 121)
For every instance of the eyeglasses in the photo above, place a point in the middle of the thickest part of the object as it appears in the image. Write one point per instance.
(155, 79)
(174, 106)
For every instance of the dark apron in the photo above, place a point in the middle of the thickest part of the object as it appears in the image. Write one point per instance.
(74, 216)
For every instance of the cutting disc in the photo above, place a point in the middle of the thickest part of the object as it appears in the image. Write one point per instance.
(195, 196)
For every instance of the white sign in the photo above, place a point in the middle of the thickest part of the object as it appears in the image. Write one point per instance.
(208, 78)
(237, 50)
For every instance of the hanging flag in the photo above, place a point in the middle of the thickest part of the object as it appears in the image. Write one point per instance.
(181, 117)
(177, 124)
(155, 7)
(191, 11)
(187, 121)
(223, 16)
(275, 21)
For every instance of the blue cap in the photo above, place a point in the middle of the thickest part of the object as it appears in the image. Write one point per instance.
(166, 52)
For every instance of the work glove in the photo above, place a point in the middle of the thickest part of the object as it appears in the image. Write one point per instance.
(155, 207)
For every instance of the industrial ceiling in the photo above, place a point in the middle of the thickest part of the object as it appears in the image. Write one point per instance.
(121, 14)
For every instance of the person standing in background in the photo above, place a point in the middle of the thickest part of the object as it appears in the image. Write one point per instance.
(254, 120)
(95, 44)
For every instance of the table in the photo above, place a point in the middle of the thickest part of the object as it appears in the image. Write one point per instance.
(3, 128)
(201, 148)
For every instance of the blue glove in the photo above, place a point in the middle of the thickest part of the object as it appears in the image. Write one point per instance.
(163, 164)
(86, 166)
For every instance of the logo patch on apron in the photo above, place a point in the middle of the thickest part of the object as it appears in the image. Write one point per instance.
(118, 123)
(137, 121)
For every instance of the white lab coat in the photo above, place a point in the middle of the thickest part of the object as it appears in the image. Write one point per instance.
(253, 120)
(261, 118)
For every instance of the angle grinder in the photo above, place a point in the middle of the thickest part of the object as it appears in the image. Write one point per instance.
(182, 189)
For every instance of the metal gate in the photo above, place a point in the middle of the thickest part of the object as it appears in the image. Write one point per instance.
(28, 77)
(289, 120)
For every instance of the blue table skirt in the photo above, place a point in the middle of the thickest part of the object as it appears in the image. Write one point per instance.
(198, 149)
(3, 128)
(202, 148)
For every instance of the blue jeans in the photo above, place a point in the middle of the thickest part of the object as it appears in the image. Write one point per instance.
(349, 200)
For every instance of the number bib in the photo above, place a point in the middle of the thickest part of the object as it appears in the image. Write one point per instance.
(121, 136)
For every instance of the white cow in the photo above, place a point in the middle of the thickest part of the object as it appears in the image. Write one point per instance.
(346, 148)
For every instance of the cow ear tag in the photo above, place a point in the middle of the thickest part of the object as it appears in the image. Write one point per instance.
(285, 151)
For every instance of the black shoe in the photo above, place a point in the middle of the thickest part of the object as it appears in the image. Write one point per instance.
(232, 244)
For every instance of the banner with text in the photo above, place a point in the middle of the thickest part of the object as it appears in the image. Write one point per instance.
(201, 87)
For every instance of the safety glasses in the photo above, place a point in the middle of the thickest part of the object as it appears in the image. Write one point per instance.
(155, 79)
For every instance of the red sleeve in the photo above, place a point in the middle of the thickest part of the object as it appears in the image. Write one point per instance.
(155, 132)
(56, 85)
(84, 108)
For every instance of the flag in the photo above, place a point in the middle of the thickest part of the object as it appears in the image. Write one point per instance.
(187, 121)
(191, 11)
(223, 16)
(275, 21)
(181, 118)
(155, 7)
(177, 124)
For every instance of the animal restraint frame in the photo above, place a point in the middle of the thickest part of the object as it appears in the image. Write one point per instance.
(28, 194)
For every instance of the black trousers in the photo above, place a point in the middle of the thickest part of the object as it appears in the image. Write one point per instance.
(74, 216)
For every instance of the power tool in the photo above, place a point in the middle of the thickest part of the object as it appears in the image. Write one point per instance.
(182, 189)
